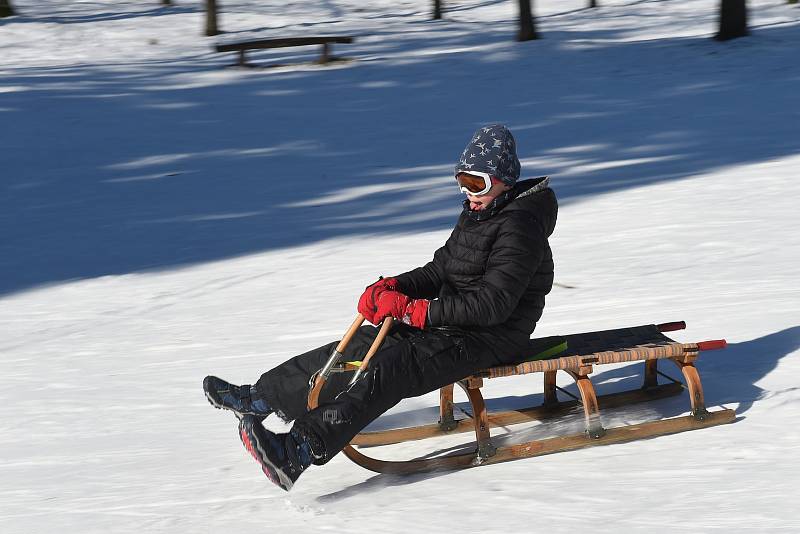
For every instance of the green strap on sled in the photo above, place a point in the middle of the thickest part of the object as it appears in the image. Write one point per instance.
(547, 353)
(553, 351)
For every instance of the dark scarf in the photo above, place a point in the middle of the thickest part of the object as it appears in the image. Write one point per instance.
(520, 189)
(500, 202)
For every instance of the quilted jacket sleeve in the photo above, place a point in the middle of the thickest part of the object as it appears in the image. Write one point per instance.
(514, 258)
(426, 281)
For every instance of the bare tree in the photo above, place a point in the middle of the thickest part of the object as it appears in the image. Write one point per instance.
(5, 8)
(732, 19)
(527, 27)
(211, 18)
(437, 9)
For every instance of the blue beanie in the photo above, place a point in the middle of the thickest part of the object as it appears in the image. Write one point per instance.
(493, 151)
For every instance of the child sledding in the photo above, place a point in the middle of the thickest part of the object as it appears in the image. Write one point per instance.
(467, 314)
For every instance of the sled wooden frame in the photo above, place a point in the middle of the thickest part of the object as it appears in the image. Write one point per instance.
(584, 351)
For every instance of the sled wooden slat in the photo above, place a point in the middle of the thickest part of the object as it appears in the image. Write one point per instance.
(613, 435)
(547, 446)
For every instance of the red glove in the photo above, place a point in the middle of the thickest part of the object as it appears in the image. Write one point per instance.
(413, 312)
(367, 303)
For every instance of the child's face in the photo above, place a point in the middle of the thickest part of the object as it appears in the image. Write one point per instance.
(479, 202)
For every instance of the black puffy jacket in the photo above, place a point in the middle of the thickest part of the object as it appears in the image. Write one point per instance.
(490, 278)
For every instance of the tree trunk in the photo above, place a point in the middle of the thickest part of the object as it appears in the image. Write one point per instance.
(437, 9)
(5, 8)
(592, 3)
(166, 2)
(211, 18)
(527, 27)
(732, 19)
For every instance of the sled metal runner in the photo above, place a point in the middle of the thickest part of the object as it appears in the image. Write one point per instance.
(583, 352)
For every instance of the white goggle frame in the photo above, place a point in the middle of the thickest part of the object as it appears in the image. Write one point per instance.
(487, 182)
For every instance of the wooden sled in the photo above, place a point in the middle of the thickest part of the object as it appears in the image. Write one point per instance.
(581, 353)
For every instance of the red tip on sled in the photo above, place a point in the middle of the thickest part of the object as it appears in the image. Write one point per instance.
(712, 345)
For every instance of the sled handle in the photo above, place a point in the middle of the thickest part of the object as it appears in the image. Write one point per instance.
(348, 336)
(336, 355)
(385, 327)
(714, 344)
(671, 327)
(318, 380)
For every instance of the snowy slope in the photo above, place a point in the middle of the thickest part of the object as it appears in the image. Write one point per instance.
(164, 217)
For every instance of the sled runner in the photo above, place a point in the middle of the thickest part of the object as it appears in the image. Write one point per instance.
(576, 355)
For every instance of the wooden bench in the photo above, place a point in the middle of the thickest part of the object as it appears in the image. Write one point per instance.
(577, 355)
(325, 41)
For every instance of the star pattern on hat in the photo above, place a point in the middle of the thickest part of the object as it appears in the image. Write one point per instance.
(491, 150)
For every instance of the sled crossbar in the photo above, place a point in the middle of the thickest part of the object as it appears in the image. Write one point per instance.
(575, 354)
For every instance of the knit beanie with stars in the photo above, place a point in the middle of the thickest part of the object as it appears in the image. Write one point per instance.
(491, 150)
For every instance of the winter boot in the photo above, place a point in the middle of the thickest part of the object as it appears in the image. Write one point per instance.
(283, 457)
(242, 400)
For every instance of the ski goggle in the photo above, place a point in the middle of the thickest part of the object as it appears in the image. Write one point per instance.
(474, 183)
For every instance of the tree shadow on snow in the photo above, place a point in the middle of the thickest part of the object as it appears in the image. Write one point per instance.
(729, 377)
(70, 17)
(114, 169)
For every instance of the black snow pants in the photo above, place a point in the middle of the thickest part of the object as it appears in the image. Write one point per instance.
(410, 363)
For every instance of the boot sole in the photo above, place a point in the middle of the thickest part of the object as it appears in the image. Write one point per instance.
(251, 443)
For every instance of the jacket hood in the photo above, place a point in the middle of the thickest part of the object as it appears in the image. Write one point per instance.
(532, 195)
(536, 197)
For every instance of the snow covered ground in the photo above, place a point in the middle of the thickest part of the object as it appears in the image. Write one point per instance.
(163, 217)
